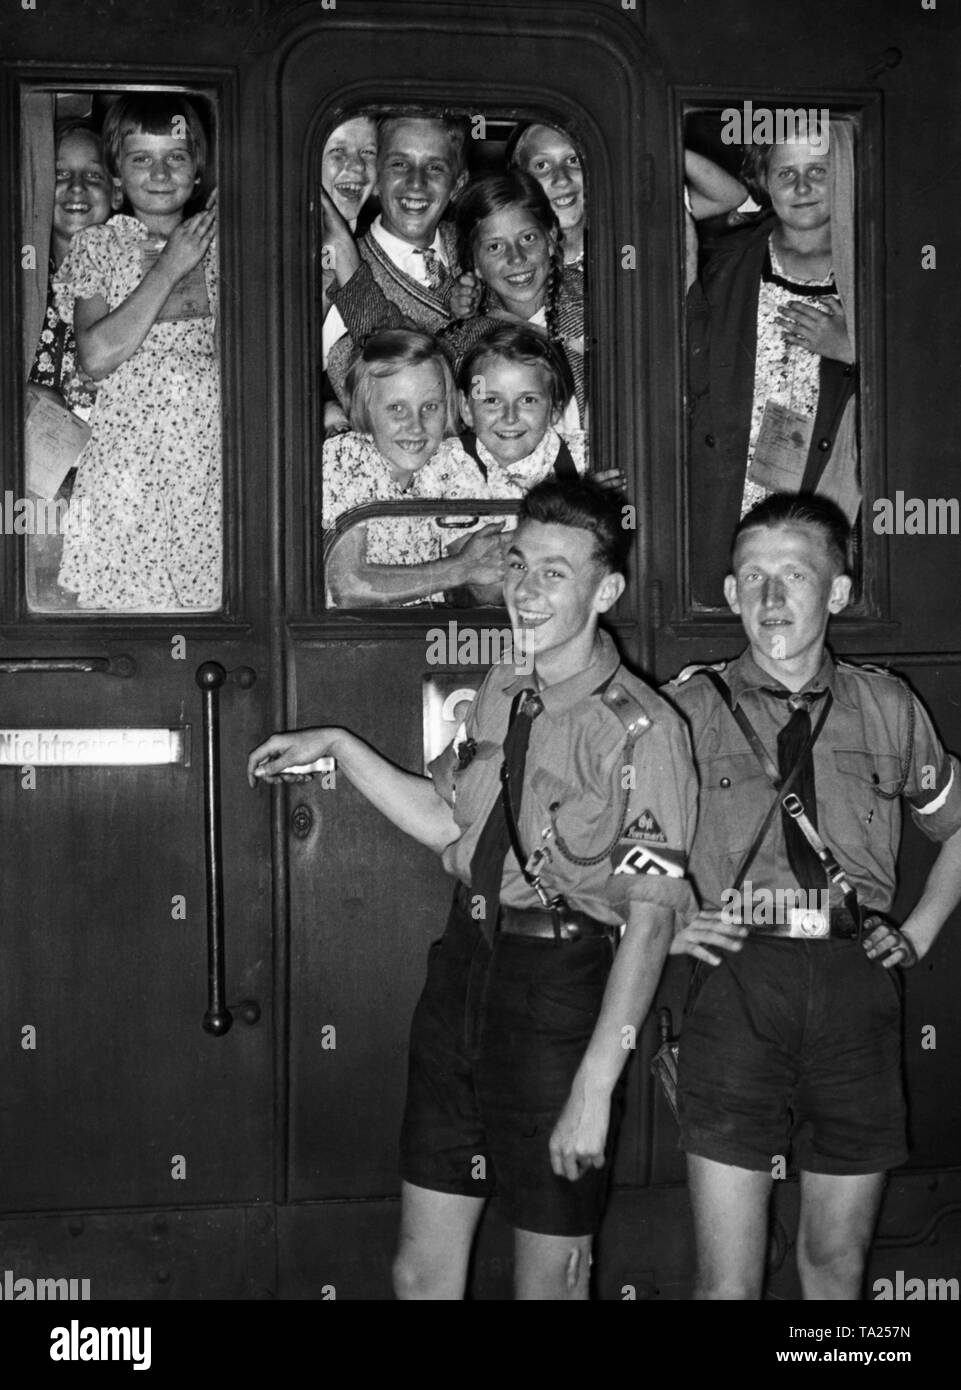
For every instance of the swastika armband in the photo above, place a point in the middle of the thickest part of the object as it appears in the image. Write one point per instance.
(643, 849)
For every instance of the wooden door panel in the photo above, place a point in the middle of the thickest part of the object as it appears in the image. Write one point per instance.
(365, 903)
(100, 960)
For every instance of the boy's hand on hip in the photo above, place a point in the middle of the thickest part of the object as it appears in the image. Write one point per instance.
(885, 942)
(709, 929)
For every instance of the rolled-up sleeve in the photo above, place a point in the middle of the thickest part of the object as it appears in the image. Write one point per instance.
(649, 862)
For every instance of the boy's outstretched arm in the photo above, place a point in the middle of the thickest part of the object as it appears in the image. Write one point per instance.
(404, 798)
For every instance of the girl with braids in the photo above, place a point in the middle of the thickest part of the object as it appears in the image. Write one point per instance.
(510, 247)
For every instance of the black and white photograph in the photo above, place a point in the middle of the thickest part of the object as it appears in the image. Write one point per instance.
(480, 666)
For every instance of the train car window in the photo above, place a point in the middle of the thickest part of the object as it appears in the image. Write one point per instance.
(773, 360)
(122, 469)
(449, 277)
(405, 552)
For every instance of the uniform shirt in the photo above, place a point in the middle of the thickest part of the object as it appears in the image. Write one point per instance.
(576, 760)
(860, 751)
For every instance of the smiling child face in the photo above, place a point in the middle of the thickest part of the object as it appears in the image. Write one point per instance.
(512, 255)
(417, 175)
(158, 174)
(511, 409)
(550, 157)
(555, 590)
(798, 184)
(349, 165)
(82, 194)
(408, 415)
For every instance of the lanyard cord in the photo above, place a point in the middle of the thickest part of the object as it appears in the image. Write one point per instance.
(585, 861)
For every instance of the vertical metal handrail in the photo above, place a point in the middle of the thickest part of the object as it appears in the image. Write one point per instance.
(218, 1018)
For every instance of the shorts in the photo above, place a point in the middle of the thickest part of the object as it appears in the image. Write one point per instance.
(794, 1047)
(496, 1039)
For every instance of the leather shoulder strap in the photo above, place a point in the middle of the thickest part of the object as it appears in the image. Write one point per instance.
(764, 758)
(747, 728)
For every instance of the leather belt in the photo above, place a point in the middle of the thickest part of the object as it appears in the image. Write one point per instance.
(536, 921)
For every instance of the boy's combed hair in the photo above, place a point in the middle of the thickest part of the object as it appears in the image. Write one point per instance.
(515, 342)
(801, 509)
(457, 128)
(583, 503)
(385, 354)
(154, 113)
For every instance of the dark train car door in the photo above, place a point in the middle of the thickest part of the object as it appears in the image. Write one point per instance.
(365, 903)
(138, 1134)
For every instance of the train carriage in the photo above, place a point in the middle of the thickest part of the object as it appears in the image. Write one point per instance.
(207, 991)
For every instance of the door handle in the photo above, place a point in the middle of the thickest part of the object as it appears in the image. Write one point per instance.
(122, 666)
(218, 1019)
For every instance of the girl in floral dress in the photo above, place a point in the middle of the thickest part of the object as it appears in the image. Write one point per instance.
(402, 404)
(81, 199)
(141, 292)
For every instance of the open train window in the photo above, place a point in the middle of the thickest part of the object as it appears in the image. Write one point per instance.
(778, 290)
(449, 293)
(404, 553)
(122, 470)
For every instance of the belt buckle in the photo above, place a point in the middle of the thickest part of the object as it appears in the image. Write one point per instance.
(809, 923)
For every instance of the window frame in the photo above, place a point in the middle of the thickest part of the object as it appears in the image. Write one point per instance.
(217, 87)
(869, 615)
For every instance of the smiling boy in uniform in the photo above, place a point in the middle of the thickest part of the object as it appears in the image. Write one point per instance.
(564, 808)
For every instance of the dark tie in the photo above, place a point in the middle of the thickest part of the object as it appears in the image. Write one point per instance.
(806, 866)
(434, 267)
(487, 862)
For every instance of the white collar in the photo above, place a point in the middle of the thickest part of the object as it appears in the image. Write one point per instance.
(407, 258)
(545, 449)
